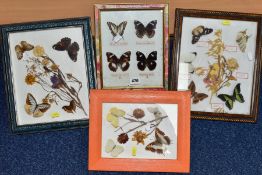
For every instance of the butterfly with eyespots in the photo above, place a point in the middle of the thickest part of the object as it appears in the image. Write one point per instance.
(33, 108)
(148, 30)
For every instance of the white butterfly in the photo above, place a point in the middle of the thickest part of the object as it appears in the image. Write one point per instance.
(112, 148)
(31, 106)
(188, 58)
(155, 111)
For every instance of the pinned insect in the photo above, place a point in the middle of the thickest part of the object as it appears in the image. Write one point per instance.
(230, 99)
(157, 146)
(122, 62)
(65, 45)
(71, 107)
(23, 47)
(198, 32)
(117, 30)
(113, 149)
(242, 39)
(113, 116)
(197, 97)
(188, 58)
(149, 30)
(149, 61)
(33, 108)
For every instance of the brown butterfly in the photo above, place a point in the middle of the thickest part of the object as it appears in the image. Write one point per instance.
(198, 32)
(115, 62)
(157, 145)
(65, 45)
(20, 49)
(71, 107)
(197, 97)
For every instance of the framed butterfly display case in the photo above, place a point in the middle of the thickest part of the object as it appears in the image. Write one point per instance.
(48, 71)
(139, 131)
(217, 56)
(131, 46)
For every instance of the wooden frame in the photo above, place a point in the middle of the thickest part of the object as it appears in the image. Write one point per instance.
(43, 91)
(240, 36)
(100, 128)
(134, 37)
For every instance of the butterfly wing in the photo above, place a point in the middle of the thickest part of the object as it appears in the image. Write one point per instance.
(241, 40)
(73, 50)
(140, 29)
(151, 60)
(19, 52)
(62, 45)
(142, 62)
(117, 150)
(41, 109)
(113, 120)
(150, 29)
(113, 61)
(26, 46)
(161, 137)
(117, 112)
(199, 97)
(121, 28)
(109, 146)
(237, 94)
(124, 60)
(192, 88)
(113, 28)
(30, 104)
(229, 100)
(71, 107)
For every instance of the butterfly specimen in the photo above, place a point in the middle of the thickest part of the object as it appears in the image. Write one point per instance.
(242, 39)
(144, 62)
(65, 45)
(149, 30)
(198, 32)
(71, 107)
(155, 111)
(122, 62)
(188, 58)
(197, 97)
(113, 116)
(160, 140)
(32, 108)
(113, 149)
(117, 30)
(20, 49)
(230, 99)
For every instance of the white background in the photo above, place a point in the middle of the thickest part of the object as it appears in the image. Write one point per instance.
(46, 39)
(168, 126)
(229, 33)
(120, 78)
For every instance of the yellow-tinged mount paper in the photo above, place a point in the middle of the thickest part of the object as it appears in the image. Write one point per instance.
(134, 151)
(226, 22)
(55, 114)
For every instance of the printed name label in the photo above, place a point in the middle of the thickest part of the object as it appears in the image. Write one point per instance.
(242, 75)
(217, 105)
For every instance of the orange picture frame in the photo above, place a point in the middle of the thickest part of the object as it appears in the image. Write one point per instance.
(181, 99)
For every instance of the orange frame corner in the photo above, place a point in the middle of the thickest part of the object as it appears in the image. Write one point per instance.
(96, 162)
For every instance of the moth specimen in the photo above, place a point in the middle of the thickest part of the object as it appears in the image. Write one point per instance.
(65, 45)
(144, 61)
(122, 62)
(33, 108)
(230, 99)
(157, 146)
(188, 58)
(242, 39)
(200, 31)
(149, 30)
(113, 149)
(23, 47)
(117, 30)
(197, 97)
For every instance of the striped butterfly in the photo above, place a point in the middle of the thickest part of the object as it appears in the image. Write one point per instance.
(32, 108)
